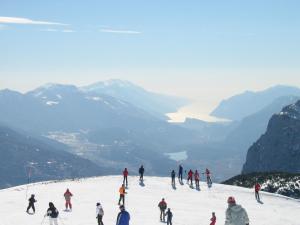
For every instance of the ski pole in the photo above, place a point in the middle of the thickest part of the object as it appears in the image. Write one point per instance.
(43, 220)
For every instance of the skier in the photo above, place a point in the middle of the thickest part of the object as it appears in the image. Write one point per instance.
(173, 175)
(235, 214)
(162, 206)
(169, 216)
(213, 219)
(141, 172)
(123, 216)
(99, 213)
(190, 177)
(31, 203)
(68, 196)
(125, 175)
(257, 189)
(180, 172)
(197, 179)
(208, 179)
(53, 213)
(122, 194)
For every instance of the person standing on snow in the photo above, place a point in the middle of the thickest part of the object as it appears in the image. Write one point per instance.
(123, 216)
(68, 196)
(31, 203)
(213, 219)
(122, 194)
(197, 179)
(162, 206)
(208, 178)
(99, 213)
(53, 213)
(173, 175)
(235, 214)
(180, 173)
(169, 216)
(257, 189)
(141, 172)
(190, 177)
(125, 177)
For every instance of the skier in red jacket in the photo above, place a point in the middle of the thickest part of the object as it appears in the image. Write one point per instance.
(190, 177)
(68, 196)
(257, 189)
(213, 219)
(125, 175)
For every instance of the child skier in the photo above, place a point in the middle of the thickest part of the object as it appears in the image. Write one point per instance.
(52, 213)
(99, 213)
(169, 217)
(162, 206)
(68, 196)
(31, 203)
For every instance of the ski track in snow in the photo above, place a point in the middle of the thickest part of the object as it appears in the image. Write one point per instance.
(189, 206)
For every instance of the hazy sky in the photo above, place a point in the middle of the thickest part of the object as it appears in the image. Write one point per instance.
(204, 50)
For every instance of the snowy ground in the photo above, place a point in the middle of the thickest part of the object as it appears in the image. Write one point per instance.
(189, 206)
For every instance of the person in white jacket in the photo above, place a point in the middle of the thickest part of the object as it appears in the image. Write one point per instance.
(235, 214)
(99, 213)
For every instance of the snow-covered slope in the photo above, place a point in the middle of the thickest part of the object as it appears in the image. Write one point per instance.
(189, 206)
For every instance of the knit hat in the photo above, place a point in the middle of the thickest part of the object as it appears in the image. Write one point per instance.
(231, 200)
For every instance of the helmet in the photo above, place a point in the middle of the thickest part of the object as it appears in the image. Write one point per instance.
(231, 200)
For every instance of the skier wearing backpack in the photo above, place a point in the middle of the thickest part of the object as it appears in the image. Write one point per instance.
(197, 179)
(169, 216)
(180, 173)
(190, 177)
(68, 196)
(31, 203)
(213, 219)
(122, 194)
(235, 214)
(141, 172)
(208, 179)
(162, 206)
(123, 216)
(99, 213)
(257, 189)
(52, 213)
(125, 177)
(173, 175)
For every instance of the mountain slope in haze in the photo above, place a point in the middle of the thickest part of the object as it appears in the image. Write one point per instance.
(156, 104)
(21, 153)
(249, 102)
(189, 206)
(279, 148)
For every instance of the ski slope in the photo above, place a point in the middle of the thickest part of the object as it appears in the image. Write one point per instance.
(189, 206)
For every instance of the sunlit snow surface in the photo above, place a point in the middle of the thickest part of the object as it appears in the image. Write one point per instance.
(189, 206)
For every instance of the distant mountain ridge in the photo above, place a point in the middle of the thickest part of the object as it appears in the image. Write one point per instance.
(154, 103)
(242, 105)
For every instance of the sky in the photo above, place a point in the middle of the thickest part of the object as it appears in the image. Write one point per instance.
(203, 50)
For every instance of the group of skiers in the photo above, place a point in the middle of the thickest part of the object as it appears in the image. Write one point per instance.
(190, 177)
(235, 214)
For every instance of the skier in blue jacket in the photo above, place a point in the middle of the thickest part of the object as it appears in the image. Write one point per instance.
(123, 217)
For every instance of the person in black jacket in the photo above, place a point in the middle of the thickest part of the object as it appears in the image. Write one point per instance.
(169, 216)
(141, 172)
(53, 213)
(173, 175)
(31, 204)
